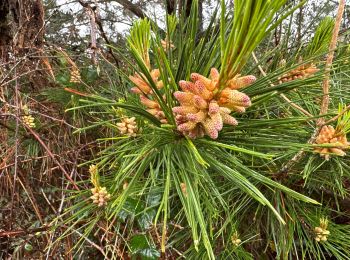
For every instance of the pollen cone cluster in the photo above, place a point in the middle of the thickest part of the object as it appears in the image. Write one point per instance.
(328, 135)
(75, 75)
(321, 232)
(301, 72)
(235, 239)
(203, 111)
(100, 196)
(147, 96)
(74, 70)
(28, 120)
(128, 126)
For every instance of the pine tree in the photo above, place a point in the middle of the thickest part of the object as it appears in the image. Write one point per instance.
(240, 153)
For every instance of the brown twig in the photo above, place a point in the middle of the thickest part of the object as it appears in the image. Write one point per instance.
(93, 45)
(3, 164)
(37, 137)
(97, 20)
(14, 233)
(17, 101)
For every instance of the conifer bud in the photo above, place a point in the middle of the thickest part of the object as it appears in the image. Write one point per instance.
(235, 239)
(125, 185)
(183, 188)
(239, 82)
(167, 44)
(147, 96)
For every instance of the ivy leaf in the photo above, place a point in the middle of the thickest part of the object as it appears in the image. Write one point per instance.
(141, 248)
(63, 79)
(136, 209)
(145, 219)
(130, 209)
(90, 74)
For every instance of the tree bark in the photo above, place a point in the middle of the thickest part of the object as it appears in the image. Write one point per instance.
(133, 8)
(170, 6)
(5, 37)
(200, 15)
(300, 24)
(21, 26)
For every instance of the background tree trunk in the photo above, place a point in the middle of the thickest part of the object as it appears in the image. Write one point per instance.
(21, 26)
(170, 6)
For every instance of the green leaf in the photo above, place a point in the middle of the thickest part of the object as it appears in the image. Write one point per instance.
(140, 247)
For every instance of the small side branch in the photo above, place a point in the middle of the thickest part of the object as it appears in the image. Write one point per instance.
(325, 88)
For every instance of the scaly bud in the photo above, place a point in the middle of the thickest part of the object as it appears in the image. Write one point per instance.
(213, 107)
(229, 120)
(127, 126)
(301, 72)
(203, 91)
(328, 135)
(214, 75)
(187, 126)
(217, 121)
(198, 77)
(230, 98)
(140, 83)
(198, 117)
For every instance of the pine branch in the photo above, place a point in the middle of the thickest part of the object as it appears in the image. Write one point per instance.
(325, 101)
